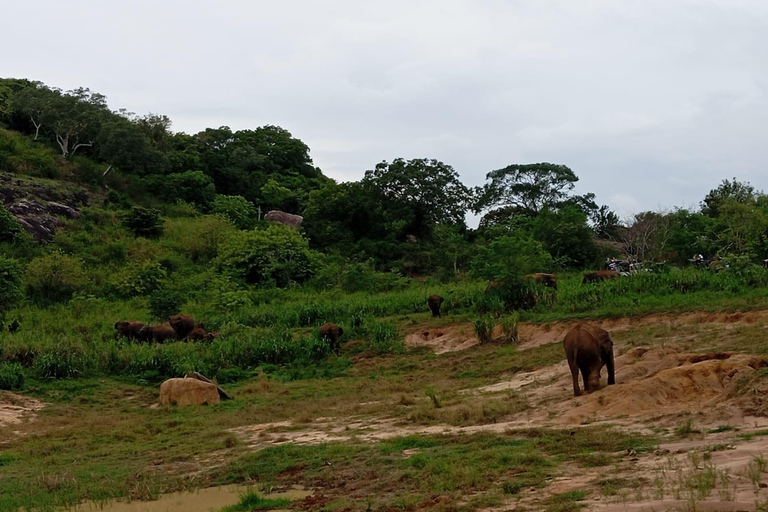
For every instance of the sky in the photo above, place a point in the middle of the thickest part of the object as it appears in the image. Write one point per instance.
(651, 103)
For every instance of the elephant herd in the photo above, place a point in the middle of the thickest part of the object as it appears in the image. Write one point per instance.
(179, 327)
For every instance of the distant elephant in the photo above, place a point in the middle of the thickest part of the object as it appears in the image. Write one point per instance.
(434, 302)
(182, 324)
(546, 279)
(129, 329)
(588, 348)
(600, 275)
(212, 336)
(159, 333)
(197, 334)
(332, 333)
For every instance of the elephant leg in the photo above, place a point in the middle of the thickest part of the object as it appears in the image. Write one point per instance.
(575, 377)
(585, 371)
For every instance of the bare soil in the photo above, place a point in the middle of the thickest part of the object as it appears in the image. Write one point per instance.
(17, 408)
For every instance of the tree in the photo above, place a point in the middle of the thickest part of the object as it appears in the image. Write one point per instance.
(528, 187)
(10, 285)
(144, 222)
(741, 192)
(742, 227)
(192, 187)
(647, 235)
(9, 226)
(237, 209)
(565, 234)
(419, 192)
(510, 257)
(606, 223)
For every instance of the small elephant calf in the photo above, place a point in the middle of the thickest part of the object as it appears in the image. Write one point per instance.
(588, 349)
(332, 333)
(434, 302)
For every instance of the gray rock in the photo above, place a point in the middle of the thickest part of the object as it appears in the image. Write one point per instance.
(288, 219)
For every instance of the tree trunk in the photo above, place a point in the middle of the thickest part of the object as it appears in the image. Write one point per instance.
(37, 127)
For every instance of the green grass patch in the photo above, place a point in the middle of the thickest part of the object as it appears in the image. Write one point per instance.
(252, 501)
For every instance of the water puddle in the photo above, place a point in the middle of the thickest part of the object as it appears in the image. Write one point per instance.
(202, 500)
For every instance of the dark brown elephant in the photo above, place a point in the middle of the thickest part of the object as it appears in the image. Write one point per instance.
(159, 333)
(546, 279)
(588, 348)
(434, 302)
(331, 333)
(182, 324)
(197, 334)
(600, 275)
(129, 329)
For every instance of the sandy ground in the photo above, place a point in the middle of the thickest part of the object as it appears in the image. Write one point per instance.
(657, 390)
(17, 408)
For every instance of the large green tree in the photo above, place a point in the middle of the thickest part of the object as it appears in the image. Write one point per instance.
(739, 191)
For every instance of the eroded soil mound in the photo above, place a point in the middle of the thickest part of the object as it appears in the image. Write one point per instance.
(449, 338)
(533, 335)
(14, 408)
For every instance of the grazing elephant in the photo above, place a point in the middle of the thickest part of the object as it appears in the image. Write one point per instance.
(182, 324)
(588, 348)
(434, 302)
(159, 333)
(197, 334)
(600, 275)
(212, 336)
(332, 333)
(546, 279)
(129, 329)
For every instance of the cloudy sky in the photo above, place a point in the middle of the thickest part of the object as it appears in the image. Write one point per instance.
(651, 103)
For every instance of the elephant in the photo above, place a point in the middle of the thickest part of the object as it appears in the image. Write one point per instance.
(129, 329)
(588, 348)
(159, 333)
(182, 324)
(434, 302)
(197, 334)
(600, 275)
(332, 333)
(546, 279)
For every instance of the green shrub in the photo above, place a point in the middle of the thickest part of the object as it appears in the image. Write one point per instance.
(9, 226)
(237, 209)
(145, 222)
(62, 361)
(484, 329)
(191, 186)
(385, 339)
(164, 303)
(141, 279)
(10, 285)
(54, 278)
(11, 376)
(277, 254)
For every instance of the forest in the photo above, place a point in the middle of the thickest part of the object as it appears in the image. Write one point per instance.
(112, 216)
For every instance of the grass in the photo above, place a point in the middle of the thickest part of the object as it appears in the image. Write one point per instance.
(252, 501)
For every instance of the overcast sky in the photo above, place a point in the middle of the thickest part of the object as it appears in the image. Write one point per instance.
(651, 103)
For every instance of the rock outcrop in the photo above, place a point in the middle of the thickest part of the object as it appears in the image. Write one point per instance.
(188, 392)
(288, 219)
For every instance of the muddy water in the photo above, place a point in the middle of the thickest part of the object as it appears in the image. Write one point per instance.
(203, 500)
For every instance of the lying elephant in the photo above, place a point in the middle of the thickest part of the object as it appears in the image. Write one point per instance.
(600, 275)
(331, 333)
(182, 324)
(159, 333)
(546, 279)
(434, 302)
(199, 334)
(588, 348)
(129, 329)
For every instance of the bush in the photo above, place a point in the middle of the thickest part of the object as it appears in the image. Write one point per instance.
(63, 361)
(511, 257)
(9, 226)
(164, 303)
(54, 278)
(11, 376)
(277, 254)
(144, 222)
(141, 279)
(237, 209)
(385, 339)
(192, 186)
(484, 329)
(10, 285)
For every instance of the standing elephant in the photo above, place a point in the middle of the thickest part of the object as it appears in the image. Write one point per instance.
(588, 348)
(159, 333)
(129, 329)
(600, 275)
(182, 324)
(331, 333)
(197, 334)
(434, 302)
(546, 279)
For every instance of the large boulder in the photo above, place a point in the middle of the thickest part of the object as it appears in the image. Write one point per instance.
(188, 392)
(288, 219)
